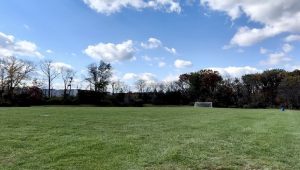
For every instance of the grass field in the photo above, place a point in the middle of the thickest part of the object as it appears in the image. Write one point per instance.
(148, 138)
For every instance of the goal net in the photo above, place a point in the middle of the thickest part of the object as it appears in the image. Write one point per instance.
(203, 104)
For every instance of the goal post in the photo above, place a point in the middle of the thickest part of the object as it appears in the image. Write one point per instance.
(203, 104)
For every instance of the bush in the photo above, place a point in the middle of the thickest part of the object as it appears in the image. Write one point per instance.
(55, 101)
(90, 97)
(22, 100)
(138, 103)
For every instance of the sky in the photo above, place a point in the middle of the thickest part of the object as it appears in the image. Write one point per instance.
(154, 40)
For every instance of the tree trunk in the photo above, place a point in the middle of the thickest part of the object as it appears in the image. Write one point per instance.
(49, 88)
(65, 92)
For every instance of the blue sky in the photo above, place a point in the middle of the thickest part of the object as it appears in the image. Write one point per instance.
(137, 36)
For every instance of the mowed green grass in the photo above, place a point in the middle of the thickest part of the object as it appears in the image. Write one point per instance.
(148, 138)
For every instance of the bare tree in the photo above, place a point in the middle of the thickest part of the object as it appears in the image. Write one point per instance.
(140, 85)
(153, 87)
(115, 86)
(37, 83)
(125, 88)
(174, 86)
(119, 87)
(14, 72)
(161, 87)
(2, 77)
(67, 76)
(50, 72)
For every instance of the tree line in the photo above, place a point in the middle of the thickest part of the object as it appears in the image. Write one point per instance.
(20, 85)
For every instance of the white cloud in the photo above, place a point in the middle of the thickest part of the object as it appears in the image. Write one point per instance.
(6, 39)
(114, 78)
(278, 58)
(236, 72)
(155, 60)
(171, 78)
(247, 37)
(171, 50)
(49, 51)
(152, 43)
(148, 77)
(292, 38)
(287, 48)
(289, 67)
(112, 6)
(147, 58)
(168, 5)
(161, 64)
(182, 63)
(276, 17)
(130, 76)
(133, 59)
(227, 47)
(111, 52)
(11, 47)
(263, 51)
(60, 65)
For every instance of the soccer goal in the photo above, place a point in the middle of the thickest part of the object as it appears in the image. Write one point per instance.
(203, 104)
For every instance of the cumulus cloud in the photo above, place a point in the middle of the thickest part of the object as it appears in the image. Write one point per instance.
(171, 50)
(168, 5)
(130, 76)
(147, 58)
(278, 58)
(171, 78)
(60, 65)
(182, 63)
(161, 64)
(49, 51)
(287, 48)
(236, 72)
(292, 67)
(155, 60)
(112, 6)
(227, 47)
(133, 59)
(111, 52)
(147, 77)
(276, 17)
(292, 38)
(11, 47)
(114, 78)
(152, 43)
(247, 37)
(263, 51)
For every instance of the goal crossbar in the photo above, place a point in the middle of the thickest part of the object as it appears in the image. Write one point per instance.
(203, 104)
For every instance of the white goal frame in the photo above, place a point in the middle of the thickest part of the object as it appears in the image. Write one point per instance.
(203, 104)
